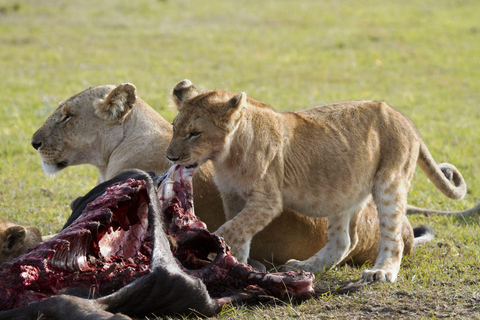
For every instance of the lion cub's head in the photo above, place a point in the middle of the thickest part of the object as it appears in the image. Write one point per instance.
(203, 124)
(16, 240)
(77, 131)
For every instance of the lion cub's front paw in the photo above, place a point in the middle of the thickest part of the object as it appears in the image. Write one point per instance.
(379, 275)
(238, 250)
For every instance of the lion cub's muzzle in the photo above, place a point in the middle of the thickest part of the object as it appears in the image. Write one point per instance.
(192, 166)
(177, 155)
(175, 159)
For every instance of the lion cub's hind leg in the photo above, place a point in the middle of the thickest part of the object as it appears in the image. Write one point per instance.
(391, 200)
(342, 239)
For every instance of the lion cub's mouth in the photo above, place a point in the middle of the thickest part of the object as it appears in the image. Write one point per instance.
(193, 165)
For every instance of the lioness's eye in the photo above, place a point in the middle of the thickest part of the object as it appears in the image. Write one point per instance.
(193, 134)
(66, 118)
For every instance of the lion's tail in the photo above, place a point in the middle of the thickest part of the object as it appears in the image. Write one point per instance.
(422, 235)
(472, 212)
(445, 176)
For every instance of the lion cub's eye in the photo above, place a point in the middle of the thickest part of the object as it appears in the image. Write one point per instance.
(193, 134)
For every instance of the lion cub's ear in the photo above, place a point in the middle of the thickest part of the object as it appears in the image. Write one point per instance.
(183, 91)
(233, 107)
(15, 235)
(118, 103)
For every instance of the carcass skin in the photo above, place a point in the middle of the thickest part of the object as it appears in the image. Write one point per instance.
(109, 245)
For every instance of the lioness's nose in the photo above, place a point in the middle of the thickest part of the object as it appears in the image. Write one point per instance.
(36, 144)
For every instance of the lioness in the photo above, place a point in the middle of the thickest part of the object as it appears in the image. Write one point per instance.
(16, 240)
(324, 161)
(113, 129)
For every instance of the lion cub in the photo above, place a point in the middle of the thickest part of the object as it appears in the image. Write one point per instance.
(16, 240)
(325, 161)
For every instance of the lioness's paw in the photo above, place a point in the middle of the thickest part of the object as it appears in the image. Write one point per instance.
(292, 265)
(379, 275)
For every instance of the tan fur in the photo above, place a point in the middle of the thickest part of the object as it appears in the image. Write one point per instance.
(139, 140)
(326, 161)
(114, 130)
(16, 240)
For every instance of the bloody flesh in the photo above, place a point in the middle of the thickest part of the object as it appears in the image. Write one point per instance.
(109, 245)
(103, 250)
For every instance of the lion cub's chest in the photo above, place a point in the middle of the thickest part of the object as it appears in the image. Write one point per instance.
(231, 182)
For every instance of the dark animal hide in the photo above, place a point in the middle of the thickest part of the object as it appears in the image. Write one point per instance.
(68, 263)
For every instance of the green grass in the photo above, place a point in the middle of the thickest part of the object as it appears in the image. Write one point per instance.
(419, 56)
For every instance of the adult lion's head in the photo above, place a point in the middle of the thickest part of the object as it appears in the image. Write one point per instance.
(76, 132)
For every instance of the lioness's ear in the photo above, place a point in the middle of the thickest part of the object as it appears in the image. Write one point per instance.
(233, 106)
(15, 234)
(118, 103)
(183, 91)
